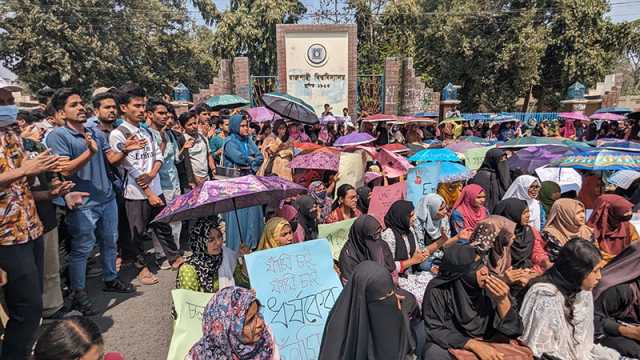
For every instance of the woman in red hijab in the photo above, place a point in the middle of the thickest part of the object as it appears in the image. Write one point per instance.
(610, 223)
(469, 208)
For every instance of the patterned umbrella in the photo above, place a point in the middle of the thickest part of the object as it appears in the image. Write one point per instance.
(618, 144)
(606, 116)
(219, 196)
(429, 155)
(290, 107)
(527, 141)
(600, 159)
(531, 158)
(319, 160)
(575, 115)
(353, 139)
(447, 171)
(262, 114)
(226, 101)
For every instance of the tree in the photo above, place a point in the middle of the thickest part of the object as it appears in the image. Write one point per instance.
(630, 63)
(248, 28)
(89, 43)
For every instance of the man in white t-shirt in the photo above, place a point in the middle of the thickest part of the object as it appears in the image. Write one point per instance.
(142, 190)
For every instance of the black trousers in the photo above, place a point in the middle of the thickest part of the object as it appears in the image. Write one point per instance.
(140, 215)
(24, 265)
(625, 346)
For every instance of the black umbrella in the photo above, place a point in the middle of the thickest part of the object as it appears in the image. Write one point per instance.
(290, 107)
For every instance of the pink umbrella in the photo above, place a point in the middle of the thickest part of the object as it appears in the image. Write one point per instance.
(380, 118)
(320, 160)
(575, 115)
(262, 114)
(393, 164)
(607, 116)
(462, 146)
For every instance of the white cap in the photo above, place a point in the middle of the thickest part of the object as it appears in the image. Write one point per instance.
(4, 84)
(101, 90)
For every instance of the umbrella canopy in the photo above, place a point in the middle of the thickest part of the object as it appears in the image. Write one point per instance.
(528, 141)
(429, 155)
(575, 115)
(357, 138)
(380, 118)
(370, 176)
(531, 158)
(262, 114)
(607, 116)
(624, 178)
(617, 144)
(319, 160)
(226, 101)
(447, 171)
(601, 159)
(396, 148)
(392, 164)
(462, 146)
(634, 115)
(615, 110)
(219, 196)
(330, 119)
(290, 107)
(477, 140)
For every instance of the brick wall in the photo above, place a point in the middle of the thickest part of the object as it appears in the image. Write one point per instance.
(405, 93)
(392, 84)
(241, 76)
(233, 78)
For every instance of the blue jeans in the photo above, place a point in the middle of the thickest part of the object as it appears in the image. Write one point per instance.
(86, 225)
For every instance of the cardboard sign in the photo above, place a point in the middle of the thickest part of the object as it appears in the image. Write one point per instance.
(382, 197)
(337, 234)
(187, 330)
(473, 158)
(297, 287)
(420, 182)
(351, 169)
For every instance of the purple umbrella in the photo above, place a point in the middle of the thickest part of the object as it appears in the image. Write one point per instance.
(319, 160)
(462, 146)
(358, 138)
(531, 158)
(262, 114)
(219, 196)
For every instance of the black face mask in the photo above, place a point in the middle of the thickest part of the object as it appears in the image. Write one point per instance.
(625, 218)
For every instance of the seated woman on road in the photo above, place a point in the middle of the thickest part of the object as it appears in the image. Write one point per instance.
(549, 193)
(565, 221)
(212, 265)
(557, 311)
(366, 321)
(233, 328)
(527, 188)
(464, 307)
(345, 207)
(469, 208)
(610, 223)
(277, 232)
(617, 303)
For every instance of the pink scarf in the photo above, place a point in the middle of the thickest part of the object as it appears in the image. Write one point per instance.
(467, 208)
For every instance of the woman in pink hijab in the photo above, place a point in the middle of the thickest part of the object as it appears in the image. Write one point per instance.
(469, 209)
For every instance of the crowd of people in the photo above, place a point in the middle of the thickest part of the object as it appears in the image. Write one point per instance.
(501, 264)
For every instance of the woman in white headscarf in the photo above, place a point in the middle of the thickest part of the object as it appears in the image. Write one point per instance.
(527, 188)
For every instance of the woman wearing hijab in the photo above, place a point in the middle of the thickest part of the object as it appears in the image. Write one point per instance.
(407, 256)
(566, 221)
(517, 211)
(493, 175)
(469, 209)
(465, 307)
(590, 190)
(212, 266)
(617, 303)
(364, 195)
(345, 205)
(610, 223)
(549, 193)
(450, 192)
(319, 192)
(308, 216)
(233, 328)
(557, 311)
(527, 188)
(241, 152)
(277, 152)
(277, 232)
(366, 321)
(492, 238)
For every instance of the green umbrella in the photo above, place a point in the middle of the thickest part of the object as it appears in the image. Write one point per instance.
(226, 101)
(290, 107)
(528, 141)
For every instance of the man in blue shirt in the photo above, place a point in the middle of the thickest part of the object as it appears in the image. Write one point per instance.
(97, 218)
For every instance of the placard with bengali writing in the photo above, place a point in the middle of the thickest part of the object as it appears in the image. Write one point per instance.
(297, 287)
(189, 306)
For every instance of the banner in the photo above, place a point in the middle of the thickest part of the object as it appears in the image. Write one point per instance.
(420, 182)
(473, 158)
(297, 287)
(337, 234)
(187, 329)
(351, 169)
(382, 197)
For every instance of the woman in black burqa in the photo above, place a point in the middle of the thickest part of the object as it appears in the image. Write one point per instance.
(464, 305)
(366, 321)
(494, 176)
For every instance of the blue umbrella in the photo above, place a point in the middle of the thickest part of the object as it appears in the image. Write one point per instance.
(618, 144)
(447, 171)
(614, 110)
(429, 155)
(600, 159)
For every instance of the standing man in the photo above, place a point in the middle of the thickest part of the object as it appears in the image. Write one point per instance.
(216, 142)
(143, 192)
(195, 150)
(157, 114)
(96, 220)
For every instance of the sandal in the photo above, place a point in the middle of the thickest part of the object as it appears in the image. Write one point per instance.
(146, 277)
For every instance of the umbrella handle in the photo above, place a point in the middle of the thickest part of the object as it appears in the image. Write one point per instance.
(235, 211)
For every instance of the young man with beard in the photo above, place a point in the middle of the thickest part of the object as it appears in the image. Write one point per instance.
(95, 220)
(142, 192)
